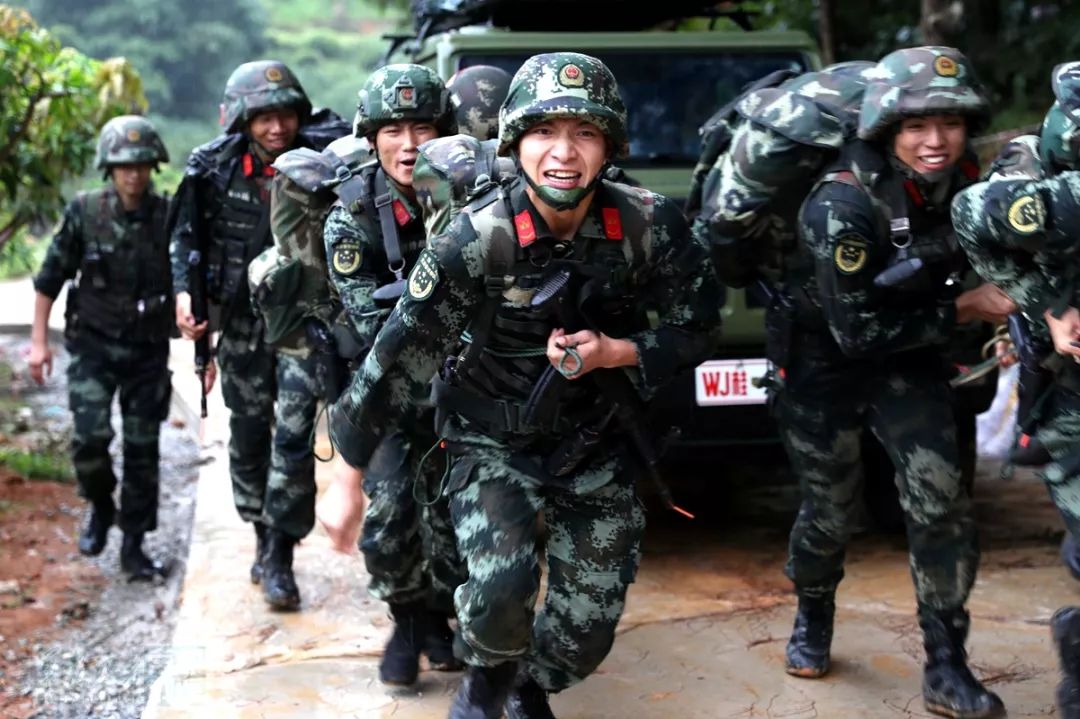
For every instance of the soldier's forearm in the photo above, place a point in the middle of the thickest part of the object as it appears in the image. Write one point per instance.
(39, 332)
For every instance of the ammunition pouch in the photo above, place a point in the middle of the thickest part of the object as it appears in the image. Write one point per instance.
(779, 327)
(234, 269)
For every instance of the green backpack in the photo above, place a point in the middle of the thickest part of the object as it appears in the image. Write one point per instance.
(289, 280)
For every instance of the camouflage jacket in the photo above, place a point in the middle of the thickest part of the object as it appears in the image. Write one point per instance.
(449, 285)
(1018, 231)
(357, 260)
(845, 229)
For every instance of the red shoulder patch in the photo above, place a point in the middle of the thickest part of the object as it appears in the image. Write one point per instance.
(526, 231)
(400, 213)
(612, 224)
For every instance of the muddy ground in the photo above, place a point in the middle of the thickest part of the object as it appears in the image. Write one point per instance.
(76, 639)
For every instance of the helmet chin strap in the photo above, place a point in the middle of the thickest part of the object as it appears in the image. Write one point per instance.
(558, 199)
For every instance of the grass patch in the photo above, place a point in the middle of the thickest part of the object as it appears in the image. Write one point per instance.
(48, 465)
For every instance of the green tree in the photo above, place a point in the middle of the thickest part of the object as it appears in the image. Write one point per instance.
(183, 50)
(55, 100)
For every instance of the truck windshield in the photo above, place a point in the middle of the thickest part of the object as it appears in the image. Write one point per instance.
(669, 95)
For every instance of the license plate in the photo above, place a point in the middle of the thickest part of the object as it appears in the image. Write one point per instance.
(729, 382)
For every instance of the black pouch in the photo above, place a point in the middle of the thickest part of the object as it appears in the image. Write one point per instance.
(234, 273)
(779, 325)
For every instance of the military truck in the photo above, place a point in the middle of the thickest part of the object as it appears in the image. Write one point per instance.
(671, 83)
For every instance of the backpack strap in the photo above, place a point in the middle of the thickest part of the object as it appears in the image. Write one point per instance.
(349, 186)
(383, 204)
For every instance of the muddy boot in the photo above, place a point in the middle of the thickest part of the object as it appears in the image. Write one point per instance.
(527, 700)
(807, 652)
(260, 549)
(133, 561)
(439, 643)
(401, 658)
(949, 687)
(1065, 628)
(1070, 555)
(96, 532)
(278, 582)
(483, 692)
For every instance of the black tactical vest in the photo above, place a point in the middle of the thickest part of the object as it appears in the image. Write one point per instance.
(124, 288)
(233, 226)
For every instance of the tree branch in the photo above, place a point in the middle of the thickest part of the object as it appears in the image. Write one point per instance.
(24, 125)
(8, 231)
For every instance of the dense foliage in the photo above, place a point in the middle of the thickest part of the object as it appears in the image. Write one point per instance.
(55, 99)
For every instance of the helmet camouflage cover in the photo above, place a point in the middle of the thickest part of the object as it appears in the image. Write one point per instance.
(929, 80)
(259, 86)
(129, 140)
(403, 92)
(477, 92)
(563, 84)
(1059, 139)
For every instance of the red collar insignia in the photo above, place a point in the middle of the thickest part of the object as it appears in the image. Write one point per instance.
(612, 224)
(914, 193)
(526, 231)
(248, 162)
(401, 214)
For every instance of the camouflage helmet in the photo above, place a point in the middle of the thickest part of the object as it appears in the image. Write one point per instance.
(477, 92)
(259, 86)
(563, 84)
(916, 81)
(129, 140)
(1059, 139)
(403, 92)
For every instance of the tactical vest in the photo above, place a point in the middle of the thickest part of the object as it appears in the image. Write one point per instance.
(502, 379)
(124, 289)
(233, 243)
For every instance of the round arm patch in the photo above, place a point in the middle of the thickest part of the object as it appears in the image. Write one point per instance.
(347, 258)
(1027, 214)
(851, 253)
(424, 276)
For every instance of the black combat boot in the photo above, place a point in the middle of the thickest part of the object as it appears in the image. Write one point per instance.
(134, 562)
(278, 582)
(807, 652)
(1065, 628)
(949, 687)
(1029, 452)
(1070, 555)
(401, 658)
(483, 692)
(439, 643)
(96, 532)
(260, 550)
(527, 700)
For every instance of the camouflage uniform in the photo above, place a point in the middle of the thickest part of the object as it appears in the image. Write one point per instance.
(1017, 229)
(855, 353)
(408, 546)
(224, 197)
(498, 481)
(119, 317)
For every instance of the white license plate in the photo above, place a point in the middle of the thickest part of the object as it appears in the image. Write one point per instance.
(729, 382)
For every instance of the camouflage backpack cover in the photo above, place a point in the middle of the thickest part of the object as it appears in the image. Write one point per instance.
(288, 280)
(772, 146)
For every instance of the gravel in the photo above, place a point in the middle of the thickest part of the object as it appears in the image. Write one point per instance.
(116, 646)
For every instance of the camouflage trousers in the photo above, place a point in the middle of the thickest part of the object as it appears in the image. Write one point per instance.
(594, 525)
(822, 412)
(409, 547)
(271, 460)
(1059, 431)
(99, 368)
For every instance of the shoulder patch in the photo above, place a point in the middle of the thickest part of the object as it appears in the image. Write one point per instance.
(347, 258)
(851, 253)
(424, 276)
(1027, 214)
